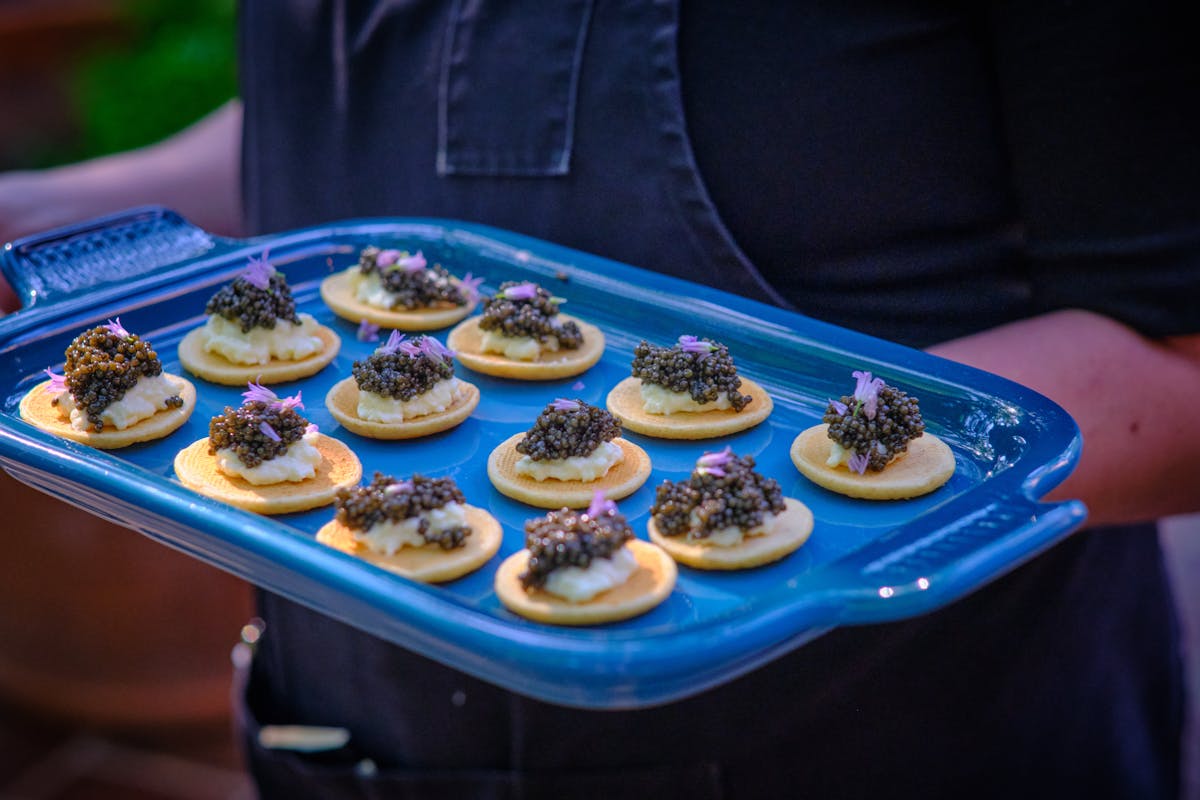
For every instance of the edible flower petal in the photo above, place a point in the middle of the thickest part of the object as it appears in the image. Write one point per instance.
(522, 291)
(268, 431)
(385, 258)
(290, 402)
(601, 505)
(866, 392)
(367, 332)
(562, 404)
(58, 383)
(434, 350)
(311, 428)
(858, 463)
(577, 386)
(117, 329)
(259, 393)
(691, 344)
(395, 342)
(414, 263)
(470, 286)
(258, 272)
(399, 486)
(839, 407)
(714, 463)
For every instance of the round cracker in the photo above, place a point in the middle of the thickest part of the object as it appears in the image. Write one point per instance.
(467, 341)
(788, 531)
(428, 564)
(647, 587)
(338, 292)
(342, 402)
(216, 369)
(625, 403)
(37, 409)
(621, 480)
(926, 465)
(197, 470)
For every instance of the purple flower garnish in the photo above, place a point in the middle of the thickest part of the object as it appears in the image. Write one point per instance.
(385, 258)
(117, 329)
(434, 350)
(367, 332)
(839, 407)
(311, 428)
(58, 383)
(577, 386)
(866, 392)
(394, 343)
(268, 431)
(691, 344)
(858, 463)
(522, 291)
(414, 263)
(258, 272)
(600, 505)
(469, 285)
(714, 463)
(562, 404)
(399, 486)
(261, 394)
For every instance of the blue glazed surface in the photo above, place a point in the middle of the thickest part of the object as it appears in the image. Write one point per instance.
(865, 562)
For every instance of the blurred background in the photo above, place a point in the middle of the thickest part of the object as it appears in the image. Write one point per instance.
(82, 78)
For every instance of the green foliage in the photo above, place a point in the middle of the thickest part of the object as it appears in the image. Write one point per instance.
(178, 63)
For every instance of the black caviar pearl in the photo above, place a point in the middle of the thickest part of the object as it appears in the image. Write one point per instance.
(251, 307)
(897, 422)
(703, 376)
(570, 539)
(399, 375)
(741, 497)
(102, 366)
(535, 318)
(362, 507)
(563, 434)
(240, 429)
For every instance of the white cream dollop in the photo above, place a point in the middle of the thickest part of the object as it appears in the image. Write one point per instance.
(388, 537)
(145, 399)
(299, 462)
(733, 535)
(518, 348)
(579, 584)
(575, 468)
(285, 341)
(439, 397)
(660, 400)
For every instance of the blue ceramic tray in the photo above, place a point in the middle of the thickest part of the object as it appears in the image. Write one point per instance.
(866, 562)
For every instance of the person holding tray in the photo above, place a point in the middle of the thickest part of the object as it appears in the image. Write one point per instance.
(1013, 187)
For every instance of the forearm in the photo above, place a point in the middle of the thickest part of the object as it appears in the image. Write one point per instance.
(1134, 400)
(196, 172)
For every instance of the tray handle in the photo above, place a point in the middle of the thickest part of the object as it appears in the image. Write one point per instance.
(120, 248)
(913, 570)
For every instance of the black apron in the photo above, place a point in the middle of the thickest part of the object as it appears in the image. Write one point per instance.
(1060, 679)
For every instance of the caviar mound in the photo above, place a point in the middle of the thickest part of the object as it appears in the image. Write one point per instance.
(196, 469)
(429, 564)
(625, 403)
(466, 339)
(215, 369)
(622, 480)
(252, 306)
(787, 532)
(702, 372)
(338, 293)
(342, 402)
(927, 464)
(527, 310)
(649, 585)
(38, 409)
